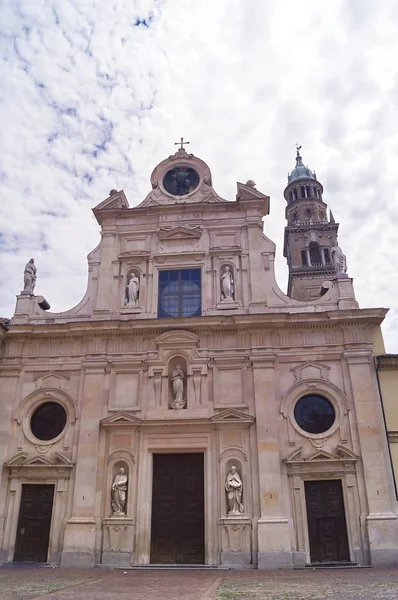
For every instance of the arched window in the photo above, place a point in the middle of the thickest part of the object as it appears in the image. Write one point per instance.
(315, 254)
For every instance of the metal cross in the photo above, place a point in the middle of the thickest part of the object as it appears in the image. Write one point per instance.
(182, 144)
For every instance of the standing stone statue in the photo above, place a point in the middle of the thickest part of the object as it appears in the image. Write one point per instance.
(177, 382)
(234, 486)
(119, 493)
(339, 259)
(133, 288)
(29, 278)
(227, 285)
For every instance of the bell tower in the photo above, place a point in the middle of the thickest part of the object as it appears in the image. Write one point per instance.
(309, 235)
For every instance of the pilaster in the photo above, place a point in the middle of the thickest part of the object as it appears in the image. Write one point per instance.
(381, 521)
(274, 548)
(80, 531)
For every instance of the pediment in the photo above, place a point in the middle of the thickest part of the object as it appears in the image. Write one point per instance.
(344, 453)
(179, 337)
(321, 455)
(248, 192)
(311, 370)
(341, 454)
(23, 459)
(52, 380)
(120, 419)
(232, 415)
(180, 233)
(114, 201)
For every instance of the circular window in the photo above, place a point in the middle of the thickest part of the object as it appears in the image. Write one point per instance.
(314, 414)
(180, 181)
(48, 421)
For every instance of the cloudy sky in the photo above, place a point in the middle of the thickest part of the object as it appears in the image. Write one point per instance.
(94, 94)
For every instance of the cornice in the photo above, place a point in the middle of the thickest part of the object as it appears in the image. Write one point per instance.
(367, 317)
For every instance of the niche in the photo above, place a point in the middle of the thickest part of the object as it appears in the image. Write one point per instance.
(132, 289)
(227, 283)
(119, 485)
(177, 375)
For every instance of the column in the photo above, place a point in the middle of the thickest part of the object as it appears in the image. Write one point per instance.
(308, 257)
(80, 531)
(382, 521)
(323, 257)
(274, 547)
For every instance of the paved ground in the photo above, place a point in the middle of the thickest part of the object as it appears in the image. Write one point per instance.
(95, 584)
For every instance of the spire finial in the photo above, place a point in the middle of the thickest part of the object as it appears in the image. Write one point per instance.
(298, 148)
(181, 144)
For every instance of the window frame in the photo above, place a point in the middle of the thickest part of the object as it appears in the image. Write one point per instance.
(161, 311)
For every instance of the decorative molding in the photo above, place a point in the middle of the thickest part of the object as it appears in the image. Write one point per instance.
(232, 415)
(23, 459)
(120, 419)
(301, 372)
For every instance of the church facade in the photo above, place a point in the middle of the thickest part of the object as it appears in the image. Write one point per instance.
(187, 411)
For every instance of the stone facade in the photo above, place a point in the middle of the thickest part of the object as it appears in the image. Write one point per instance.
(247, 357)
(387, 373)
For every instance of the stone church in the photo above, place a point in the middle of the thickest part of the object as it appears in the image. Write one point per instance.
(189, 412)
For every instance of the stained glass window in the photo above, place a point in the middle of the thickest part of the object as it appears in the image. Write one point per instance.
(180, 293)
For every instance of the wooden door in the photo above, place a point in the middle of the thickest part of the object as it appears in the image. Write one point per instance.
(177, 532)
(326, 521)
(34, 523)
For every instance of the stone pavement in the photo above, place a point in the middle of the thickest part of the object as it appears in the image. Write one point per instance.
(96, 584)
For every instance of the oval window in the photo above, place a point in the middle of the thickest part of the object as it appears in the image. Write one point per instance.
(48, 421)
(314, 414)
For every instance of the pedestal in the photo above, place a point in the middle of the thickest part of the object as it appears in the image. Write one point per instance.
(274, 547)
(79, 543)
(235, 535)
(118, 534)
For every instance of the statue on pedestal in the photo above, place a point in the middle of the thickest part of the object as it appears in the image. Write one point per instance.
(227, 285)
(177, 382)
(119, 493)
(339, 259)
(29, 278)
(234, 486)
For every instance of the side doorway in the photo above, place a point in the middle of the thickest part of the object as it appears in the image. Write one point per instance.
(327, 529)
(34, 522)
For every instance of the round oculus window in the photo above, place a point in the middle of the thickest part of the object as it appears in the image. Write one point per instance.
(314, 414)
(180, 181)
(48, 421)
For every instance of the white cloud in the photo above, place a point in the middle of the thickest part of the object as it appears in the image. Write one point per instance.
(95, 93)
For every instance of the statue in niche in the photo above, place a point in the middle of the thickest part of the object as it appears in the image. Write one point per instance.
(177, 383)
(227, 285)
(119, 493)
(234, 486)
(29, 278)
(339, 259)
(132, 290)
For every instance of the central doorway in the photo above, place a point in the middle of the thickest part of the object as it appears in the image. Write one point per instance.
(327, 529)
(177, 532)
(34, 523)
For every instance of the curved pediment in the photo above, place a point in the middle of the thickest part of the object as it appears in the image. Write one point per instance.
(177, 337)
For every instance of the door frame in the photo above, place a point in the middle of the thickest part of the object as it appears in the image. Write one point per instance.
(32, 475)
(176, 491)
(50, 516)
(344, 506)
(174, 443)
(326, 466)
